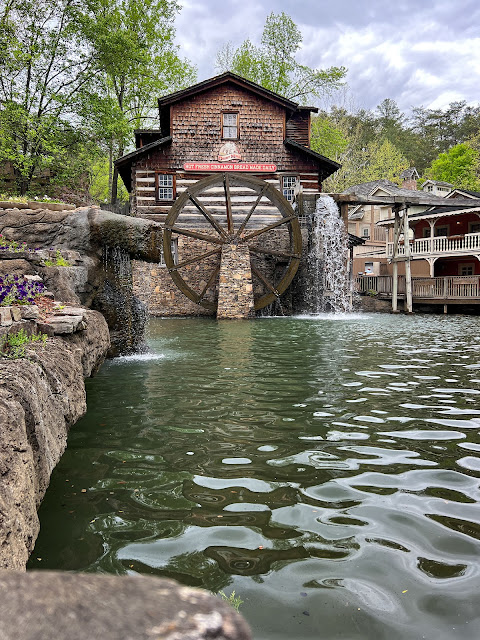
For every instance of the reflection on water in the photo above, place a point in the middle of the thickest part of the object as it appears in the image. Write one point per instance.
(326, 469)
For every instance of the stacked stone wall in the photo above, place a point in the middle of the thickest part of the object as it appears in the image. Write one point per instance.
(154, 286)
(235, 291)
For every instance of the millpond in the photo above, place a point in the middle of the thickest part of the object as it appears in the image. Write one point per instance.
(325, 468)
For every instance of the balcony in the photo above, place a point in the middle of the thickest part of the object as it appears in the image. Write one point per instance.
(454, 289)
(440, 246)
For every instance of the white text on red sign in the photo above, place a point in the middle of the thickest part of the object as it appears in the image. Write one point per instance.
(225, 166)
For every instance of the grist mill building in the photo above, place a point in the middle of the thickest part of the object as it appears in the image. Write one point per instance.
(228, 174)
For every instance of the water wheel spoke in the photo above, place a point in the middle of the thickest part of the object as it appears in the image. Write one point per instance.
(228, 203)
(212, 229)
(196, 259)
(207, 215)
(250, 213)
(195, 234)
(263, 279)
(210, 282)
(273, 252)
(274, 225)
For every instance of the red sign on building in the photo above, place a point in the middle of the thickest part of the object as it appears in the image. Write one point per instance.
(230, 166)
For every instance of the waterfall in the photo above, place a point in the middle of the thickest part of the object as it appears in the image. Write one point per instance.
(330, 285)
(125, 314)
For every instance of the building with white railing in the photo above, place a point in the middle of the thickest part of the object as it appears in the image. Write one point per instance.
(431, 252)
(370, 258)
(446, 239)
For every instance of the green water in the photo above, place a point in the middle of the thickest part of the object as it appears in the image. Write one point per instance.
(325, 469)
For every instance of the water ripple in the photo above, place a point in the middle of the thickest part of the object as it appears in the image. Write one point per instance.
(326, 469)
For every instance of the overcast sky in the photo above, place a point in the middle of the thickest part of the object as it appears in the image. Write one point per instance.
(420, 53)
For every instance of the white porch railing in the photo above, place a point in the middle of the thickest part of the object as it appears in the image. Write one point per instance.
(447, 245)
(444, 288)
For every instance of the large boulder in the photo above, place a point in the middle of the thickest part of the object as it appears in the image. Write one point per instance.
(99, 245)
(65, 606)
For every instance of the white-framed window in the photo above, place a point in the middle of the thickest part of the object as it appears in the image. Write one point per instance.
(164, 187)
(288, 187)
(365, 232)
(441, 231)
(174, 246)
(369, 268)
(230, 126)
(466, 269)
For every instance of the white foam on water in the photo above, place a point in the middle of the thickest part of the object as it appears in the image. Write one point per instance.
(333, 316)
(139, 357)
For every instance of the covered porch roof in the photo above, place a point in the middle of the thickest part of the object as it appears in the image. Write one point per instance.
(431, 215)
(416, 199)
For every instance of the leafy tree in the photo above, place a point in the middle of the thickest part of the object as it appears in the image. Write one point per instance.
(438, 130)
(380, 159)
(459, 166)
(136, 61)
(77, 77)
(327, 139)
(273, 64)
(44, 66)
(384, 160)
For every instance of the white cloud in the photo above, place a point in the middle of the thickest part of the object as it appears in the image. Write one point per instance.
(418, 54)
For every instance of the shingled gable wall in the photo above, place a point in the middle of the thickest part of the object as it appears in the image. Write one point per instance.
(196, 133)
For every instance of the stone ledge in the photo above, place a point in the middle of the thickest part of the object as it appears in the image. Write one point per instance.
(65, 606)
(41, 396)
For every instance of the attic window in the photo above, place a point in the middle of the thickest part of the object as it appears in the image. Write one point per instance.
(230, 126)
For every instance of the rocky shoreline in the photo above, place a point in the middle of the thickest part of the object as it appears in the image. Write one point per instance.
(41, 396)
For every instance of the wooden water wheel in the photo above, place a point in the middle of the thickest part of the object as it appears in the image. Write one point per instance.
(227, 208)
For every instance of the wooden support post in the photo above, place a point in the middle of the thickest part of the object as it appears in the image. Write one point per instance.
(396, 228)
(350, 275)
(408, 270)
(344, 214)
(445, 308)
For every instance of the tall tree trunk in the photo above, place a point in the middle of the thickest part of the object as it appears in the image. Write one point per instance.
(115, 178)
(110, 168)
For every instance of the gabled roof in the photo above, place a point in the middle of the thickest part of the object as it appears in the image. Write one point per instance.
(233, 78)
(463, 192)
(409, 174)
(439, 212)
(327, 166)
(124, 163)
(369, 188)
(439, 183)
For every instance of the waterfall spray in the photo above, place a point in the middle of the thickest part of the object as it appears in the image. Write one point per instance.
(327, 260)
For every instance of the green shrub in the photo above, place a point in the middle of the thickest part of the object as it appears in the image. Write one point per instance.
(57, 261)
(13, 345)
